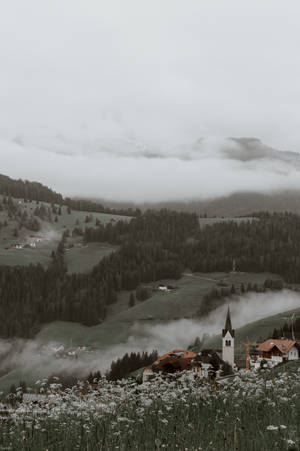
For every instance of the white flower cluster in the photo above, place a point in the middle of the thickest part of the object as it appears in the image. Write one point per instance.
(125, 405)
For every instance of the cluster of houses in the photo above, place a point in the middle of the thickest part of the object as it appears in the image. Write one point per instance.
(61, 351)
(210, 364)
(33, 242)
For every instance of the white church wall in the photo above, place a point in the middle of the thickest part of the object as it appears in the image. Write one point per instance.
(228, 349)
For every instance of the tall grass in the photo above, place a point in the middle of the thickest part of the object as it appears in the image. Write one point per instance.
(253, 412)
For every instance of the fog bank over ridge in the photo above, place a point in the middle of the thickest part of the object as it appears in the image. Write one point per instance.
(131, 171)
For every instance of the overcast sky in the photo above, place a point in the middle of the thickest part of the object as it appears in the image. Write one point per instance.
(86, 86)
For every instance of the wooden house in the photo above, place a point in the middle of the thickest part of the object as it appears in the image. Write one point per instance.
(279, 350)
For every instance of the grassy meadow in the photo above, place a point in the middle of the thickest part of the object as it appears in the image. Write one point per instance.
(83, 259)
(253, 412)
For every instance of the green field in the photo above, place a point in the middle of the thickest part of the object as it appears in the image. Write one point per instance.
(83, 259)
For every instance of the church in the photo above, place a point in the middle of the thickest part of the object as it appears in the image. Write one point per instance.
(228, 341)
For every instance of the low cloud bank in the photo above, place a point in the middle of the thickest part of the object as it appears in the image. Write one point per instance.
(30, 357)
(127, 171)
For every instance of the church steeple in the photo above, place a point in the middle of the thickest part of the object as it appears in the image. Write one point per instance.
(228, 341)
(228, 326)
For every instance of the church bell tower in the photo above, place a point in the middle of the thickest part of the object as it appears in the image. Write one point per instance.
(228, 341)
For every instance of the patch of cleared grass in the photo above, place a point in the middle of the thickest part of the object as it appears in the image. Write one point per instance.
(83, 259)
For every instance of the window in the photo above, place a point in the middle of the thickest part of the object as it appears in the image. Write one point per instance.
(227, 342)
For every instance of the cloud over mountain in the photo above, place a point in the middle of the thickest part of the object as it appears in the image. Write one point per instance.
(109, 99)
(126, 169)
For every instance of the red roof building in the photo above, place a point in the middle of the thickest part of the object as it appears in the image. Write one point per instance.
(176, 360)
(287, 349)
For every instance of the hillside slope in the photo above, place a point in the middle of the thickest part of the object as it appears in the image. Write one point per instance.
(21, 244)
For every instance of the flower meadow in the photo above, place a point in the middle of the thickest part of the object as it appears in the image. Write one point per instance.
(254, 411)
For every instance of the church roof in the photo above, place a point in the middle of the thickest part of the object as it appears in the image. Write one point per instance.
(228, 325)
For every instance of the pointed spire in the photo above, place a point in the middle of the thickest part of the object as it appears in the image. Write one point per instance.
(228, 325)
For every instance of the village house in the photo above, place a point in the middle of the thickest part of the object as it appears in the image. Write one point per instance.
(273, 351)
(207, 364)
(171, 362)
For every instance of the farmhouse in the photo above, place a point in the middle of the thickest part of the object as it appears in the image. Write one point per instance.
(283, 349)
(273, 351)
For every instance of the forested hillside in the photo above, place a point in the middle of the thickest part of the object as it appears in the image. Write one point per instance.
(152, 246)
(33, 295)
(36, 191)
(270, 244)
(28, 190)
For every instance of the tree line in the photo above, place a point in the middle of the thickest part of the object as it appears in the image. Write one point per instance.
(129, 363)
(288, 330)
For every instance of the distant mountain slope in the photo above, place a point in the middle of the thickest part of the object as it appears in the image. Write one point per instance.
(248, 149)
(237, 204)
(240, 204)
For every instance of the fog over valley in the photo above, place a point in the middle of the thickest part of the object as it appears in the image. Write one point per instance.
(38, 357)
